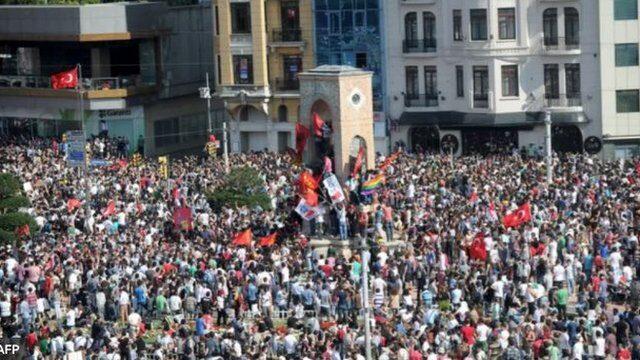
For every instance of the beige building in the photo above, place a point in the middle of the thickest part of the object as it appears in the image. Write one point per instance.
(260, 48)
(620, 77)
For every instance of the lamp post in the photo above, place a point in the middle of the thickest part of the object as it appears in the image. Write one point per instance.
(205, 93)
(547, 138)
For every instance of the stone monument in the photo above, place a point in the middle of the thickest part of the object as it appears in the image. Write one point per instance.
(342, 97)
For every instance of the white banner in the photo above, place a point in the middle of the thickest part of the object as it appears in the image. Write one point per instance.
(307, 211)
(333, 187)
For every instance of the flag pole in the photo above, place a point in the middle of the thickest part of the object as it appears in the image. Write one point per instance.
(85, 168)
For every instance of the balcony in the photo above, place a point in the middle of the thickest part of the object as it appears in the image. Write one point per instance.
(417, 2)
(286, 35)
(562, 100)
(481, 101)
(288, 85)
(560, 44)
(104, 87)
(419, 46)
(421, 100)
(244, 91)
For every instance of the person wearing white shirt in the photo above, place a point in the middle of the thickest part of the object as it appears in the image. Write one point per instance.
(124, 301)
(578, 349)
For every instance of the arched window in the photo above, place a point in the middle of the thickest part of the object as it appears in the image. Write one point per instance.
(550, 26)
(572, 27)
(429, 29)
(244, 113)
(411, 28)
(282, 113)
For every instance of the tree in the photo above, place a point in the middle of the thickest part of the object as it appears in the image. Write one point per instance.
(11, 200)
(243, 186)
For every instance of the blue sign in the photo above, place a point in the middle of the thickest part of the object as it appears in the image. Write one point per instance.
(75, 148)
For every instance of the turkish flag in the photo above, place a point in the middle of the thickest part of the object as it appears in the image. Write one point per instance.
(302, 134)
(478, 249)
(318, 123)
(72, 204)
(110, 209)
(243, 238)
(268, 240)
(358, 164)
(65, 80)
(518, 217)
(390, 159)
(23, 230)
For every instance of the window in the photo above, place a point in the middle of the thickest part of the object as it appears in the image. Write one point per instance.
(627, 101)
(551, 81)
(429, 30)
(244, 113)
(166, 132)
(282, 113)
(243, 69)
(361, 60)
(411, 28)
(219, 69)
(507, 23)
(478, 24)
(334, 23)
(217, 21)
(459, 81)
(290, 15)
(292, 66)
(626, 55)
(431, 85)
(241, 18)
(457, 25)
(572, 79)
(411, 75)
(571, 27)
(550, 26)
(480, 87)
(625, 9)
(510, 80)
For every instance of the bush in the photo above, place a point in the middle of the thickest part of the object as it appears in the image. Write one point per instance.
(14, 203)
(9, 185)
(242, 187)
(7, 237)
(9, 222)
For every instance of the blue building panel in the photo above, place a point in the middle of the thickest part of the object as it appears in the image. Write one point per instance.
(348, 32)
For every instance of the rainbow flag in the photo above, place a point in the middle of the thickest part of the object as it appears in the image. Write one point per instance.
(370, 186)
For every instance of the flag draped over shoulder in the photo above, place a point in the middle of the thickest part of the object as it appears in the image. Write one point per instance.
(478, 248)
(110, 209)
(183, 218)
(388, 161)
(518, 217)
(243, 238)
(23, 231)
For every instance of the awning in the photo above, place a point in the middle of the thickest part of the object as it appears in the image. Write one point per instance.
(456, 119)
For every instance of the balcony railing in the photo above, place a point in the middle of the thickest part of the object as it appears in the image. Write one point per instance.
(481, 101)
(419, 46)
(562, 100)
(286, 35)
(287, 84)
(561, 43)
(421, 100)
(44, 82)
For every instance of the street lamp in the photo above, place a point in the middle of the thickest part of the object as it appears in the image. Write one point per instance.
(205, 93)
(547, 138)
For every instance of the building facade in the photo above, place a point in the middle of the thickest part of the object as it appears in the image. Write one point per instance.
(350, 32)
(480, 74)
(260, 47)
(135, 81)
(619, 31)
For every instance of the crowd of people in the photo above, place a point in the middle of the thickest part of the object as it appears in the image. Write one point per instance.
(109, 275)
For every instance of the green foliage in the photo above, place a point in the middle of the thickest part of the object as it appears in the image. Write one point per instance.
(10, 201)
(14, 203)
(9, 185)
(10, 221)
(242, 187)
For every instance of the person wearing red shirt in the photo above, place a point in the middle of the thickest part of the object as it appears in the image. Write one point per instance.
(624, 353)
(468, 334)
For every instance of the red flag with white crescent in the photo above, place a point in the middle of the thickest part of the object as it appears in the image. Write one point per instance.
(65, 80)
